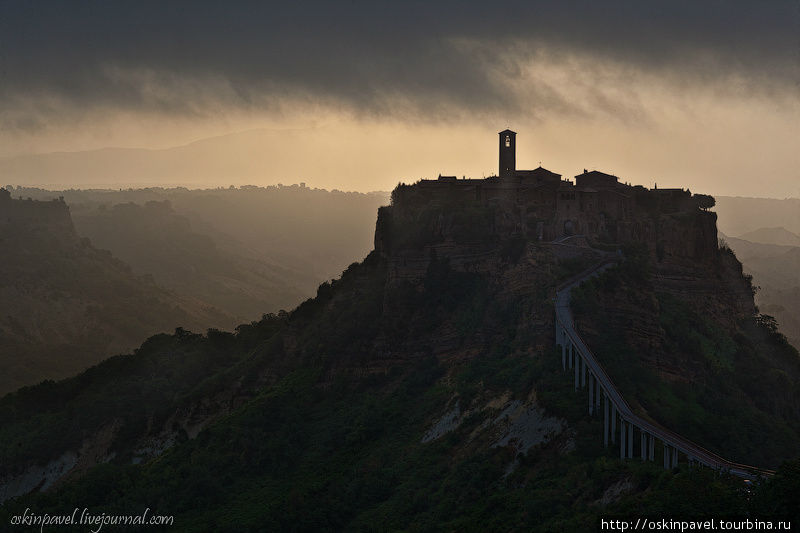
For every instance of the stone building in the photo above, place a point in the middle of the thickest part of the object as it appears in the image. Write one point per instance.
(541, 204)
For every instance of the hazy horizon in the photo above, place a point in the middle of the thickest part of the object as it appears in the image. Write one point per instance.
(56, 187)
(245, 287)
(684, 95)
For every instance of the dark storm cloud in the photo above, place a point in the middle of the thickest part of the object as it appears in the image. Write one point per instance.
(183, 57)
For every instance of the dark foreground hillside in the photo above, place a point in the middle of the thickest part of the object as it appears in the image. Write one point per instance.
(733, 386)
(419, 391)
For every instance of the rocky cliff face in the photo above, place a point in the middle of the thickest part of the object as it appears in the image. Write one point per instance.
(677, 237)
(425, 373)
(50, 218)
(681, 311)
(681, 246)
(65, 304)
(686, 347)
(688, 238)
(106, 444)
(449, 300)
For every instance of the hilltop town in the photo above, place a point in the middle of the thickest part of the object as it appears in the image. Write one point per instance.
(596, 207)
(438, 348)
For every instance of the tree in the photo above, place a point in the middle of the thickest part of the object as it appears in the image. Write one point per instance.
(705, 201)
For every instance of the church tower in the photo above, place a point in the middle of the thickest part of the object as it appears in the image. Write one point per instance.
(508, 154)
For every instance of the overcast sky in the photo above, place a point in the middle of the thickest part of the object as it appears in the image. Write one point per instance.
(696, 94)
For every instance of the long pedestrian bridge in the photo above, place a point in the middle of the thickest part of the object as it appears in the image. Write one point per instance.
(617, 414)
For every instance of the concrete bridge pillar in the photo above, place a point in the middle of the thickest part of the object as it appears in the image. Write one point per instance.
(630, 440)
(674, 457)
(591, 394)
(570, 355)
(605, 420)
(644, 446)
(598, 391)
(666, 456)
(652, 447)
(622, 439)
(583, 374)
(577, 371)
(613, 423)
(563, 356)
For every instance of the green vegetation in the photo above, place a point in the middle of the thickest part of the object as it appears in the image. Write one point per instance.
(127, 391)
(734, 392)
(315, 418)
(704, 201)
(299, 457)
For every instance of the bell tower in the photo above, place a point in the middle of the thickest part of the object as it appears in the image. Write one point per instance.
(508, 154)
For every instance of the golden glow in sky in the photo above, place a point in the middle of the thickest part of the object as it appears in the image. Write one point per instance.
(407, 99)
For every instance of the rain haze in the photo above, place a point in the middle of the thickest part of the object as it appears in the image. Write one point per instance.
(410, 265)
(362, 95)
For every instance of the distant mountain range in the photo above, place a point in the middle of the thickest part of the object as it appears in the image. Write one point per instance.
(253, 156)
(778, 236)
(739, 215)
(245, 156)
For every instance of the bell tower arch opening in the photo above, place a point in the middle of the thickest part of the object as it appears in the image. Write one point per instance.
(508, 154)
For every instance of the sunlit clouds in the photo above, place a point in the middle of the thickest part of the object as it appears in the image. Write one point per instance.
(363, 98)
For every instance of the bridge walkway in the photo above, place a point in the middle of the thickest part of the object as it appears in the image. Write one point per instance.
(576, 355)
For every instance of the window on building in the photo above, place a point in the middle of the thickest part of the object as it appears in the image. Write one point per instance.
(508, 141)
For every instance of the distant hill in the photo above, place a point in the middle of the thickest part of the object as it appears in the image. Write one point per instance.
(776, 272)
(155, 240)
(262, 155)
(65, 305)
(285, 240)
(780, 236)
(769, 237)
(237, 157)
(738, 215)
(776, 264)
(422, 391)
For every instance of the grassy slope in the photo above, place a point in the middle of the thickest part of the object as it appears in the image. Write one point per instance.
(299, 459)
(741, 397)
(317, 449)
